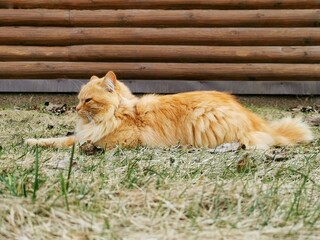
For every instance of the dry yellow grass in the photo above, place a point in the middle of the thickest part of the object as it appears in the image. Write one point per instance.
(143, 193)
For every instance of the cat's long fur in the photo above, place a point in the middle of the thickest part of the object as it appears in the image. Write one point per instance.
(110, 115)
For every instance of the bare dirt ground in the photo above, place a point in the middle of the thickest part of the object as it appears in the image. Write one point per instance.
(13, 99)
(144, 193)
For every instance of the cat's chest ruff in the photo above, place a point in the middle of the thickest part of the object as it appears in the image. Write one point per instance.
(94, 132)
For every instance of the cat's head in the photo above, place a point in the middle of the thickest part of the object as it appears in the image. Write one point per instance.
(101, 96)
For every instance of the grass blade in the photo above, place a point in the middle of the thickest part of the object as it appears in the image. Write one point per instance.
(8, 185)
(64, 190)
(70, 167)
(36, 175)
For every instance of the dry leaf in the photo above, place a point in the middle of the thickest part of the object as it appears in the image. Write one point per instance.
(300, 108)
(228, 147)
(56, 108)
(245, 163)
(89, 149)
(314, 120)
(276, 155)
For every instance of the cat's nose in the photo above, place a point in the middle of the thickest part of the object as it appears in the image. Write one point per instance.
(78, 107)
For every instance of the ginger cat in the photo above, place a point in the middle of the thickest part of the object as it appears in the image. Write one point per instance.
(110, 115)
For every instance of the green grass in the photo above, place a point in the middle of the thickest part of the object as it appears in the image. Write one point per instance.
(143, 193)
(36, 175)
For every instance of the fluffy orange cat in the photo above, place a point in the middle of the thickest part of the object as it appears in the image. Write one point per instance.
(109, 115)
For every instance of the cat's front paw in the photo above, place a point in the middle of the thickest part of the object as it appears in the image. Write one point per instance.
(31, 142)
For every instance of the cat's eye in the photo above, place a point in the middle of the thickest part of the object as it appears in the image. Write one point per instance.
(87, 100)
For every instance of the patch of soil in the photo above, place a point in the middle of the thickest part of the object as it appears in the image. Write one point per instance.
(33, 99)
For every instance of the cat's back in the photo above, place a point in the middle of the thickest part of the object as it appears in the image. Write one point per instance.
(186, 100)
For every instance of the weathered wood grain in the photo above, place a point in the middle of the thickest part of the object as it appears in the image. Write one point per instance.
(165, 71)
(163, 36)
(160, 18)
(156, 53)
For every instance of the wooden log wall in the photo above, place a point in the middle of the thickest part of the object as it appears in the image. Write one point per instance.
(190, 40)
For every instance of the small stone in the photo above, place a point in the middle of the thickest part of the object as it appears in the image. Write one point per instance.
(64, 164)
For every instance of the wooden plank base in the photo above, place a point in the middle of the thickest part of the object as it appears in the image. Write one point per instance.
(167, 86)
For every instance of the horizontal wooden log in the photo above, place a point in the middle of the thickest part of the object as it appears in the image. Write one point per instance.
(34, 17)
(160, 18)
(196, 18)
(163, 36)
(150, 53)
(163, 4)
(34, 53)
(164, 71)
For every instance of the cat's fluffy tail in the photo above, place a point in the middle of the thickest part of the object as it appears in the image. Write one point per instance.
(290, 131)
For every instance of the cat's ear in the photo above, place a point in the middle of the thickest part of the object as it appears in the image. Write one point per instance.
(93, 78)
(110, 81)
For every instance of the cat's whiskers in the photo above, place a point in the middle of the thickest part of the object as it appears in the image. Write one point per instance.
(89, 116)
(86, 115)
